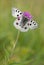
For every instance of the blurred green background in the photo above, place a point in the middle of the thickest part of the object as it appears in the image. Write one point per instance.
(30, 45)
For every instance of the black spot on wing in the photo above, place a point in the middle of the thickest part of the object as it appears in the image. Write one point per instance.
(17, 23)
(16, 10)
(17, 15)
(30, 24)
(31, 20)
(20, 13)
(25, 28)
(34, 23)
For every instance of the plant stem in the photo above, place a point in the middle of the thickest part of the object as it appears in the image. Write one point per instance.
(16, 41)
(14, 46)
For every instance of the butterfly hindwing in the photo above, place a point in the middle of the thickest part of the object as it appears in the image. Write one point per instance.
(17, 24)
(19, 27)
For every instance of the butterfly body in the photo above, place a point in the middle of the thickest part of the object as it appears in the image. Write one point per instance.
(24, 20)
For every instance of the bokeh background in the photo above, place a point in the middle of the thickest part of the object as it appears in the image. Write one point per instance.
(30, 45)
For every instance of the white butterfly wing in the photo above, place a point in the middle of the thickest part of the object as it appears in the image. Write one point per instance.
(33, 24)
(16, 12)
(17, 26)
(25, 28)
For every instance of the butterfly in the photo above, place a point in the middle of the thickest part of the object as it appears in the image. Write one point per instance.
(24, 20)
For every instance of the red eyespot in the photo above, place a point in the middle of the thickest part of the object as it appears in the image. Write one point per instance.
(28, 24)
(18, 18)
